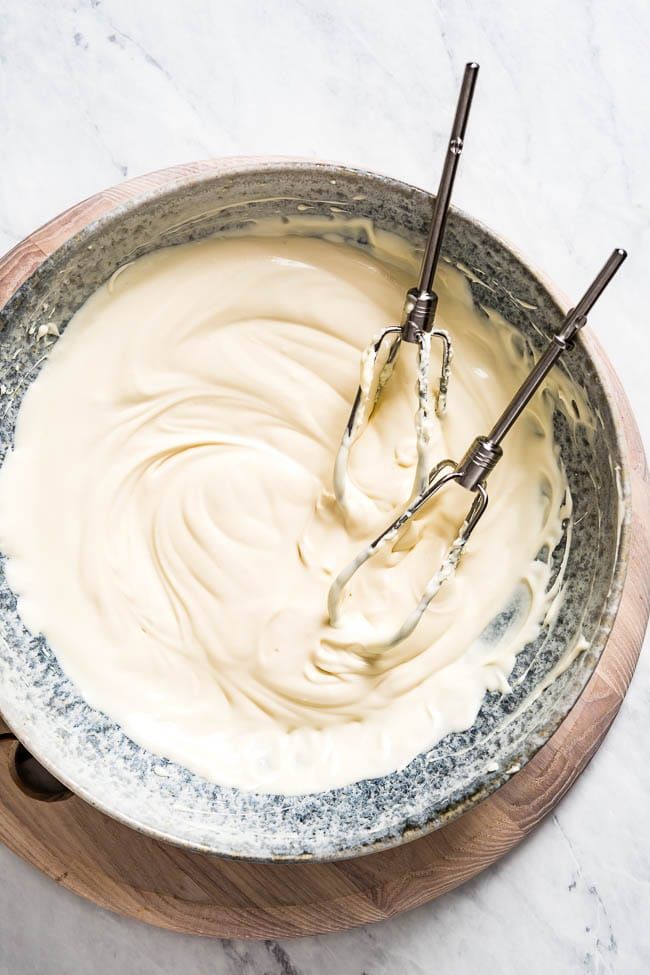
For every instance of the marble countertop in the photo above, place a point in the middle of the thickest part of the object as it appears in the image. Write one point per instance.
(94, 91)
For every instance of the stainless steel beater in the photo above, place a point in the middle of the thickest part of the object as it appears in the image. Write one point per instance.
(472, 471)
(417, 325)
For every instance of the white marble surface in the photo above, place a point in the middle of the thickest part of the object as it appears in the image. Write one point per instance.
(94, 90)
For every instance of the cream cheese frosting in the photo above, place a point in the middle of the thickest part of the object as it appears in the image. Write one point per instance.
(171, 528)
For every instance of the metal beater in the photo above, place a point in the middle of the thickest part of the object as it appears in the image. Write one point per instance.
(417, 325)
(472, 471)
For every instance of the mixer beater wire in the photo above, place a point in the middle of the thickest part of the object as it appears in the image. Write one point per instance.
(417, 326)
(471, 471)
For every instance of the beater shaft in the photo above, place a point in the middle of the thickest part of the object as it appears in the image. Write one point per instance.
(443, 196)
(421, 302)
(484, 453)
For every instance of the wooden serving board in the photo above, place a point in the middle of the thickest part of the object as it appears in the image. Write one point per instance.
(132, 874)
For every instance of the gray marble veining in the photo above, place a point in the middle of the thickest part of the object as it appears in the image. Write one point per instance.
(94, 91)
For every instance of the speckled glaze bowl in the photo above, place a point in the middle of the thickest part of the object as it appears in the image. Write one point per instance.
(90, 752)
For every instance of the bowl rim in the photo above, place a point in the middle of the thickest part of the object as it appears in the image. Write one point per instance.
(203, 171)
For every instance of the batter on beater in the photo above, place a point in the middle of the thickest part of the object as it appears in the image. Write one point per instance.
(171, 528)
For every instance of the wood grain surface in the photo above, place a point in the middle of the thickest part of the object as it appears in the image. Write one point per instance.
(132, 874)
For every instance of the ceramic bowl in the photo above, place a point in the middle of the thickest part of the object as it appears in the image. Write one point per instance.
(91, 754)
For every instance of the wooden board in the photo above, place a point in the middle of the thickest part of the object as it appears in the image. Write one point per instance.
(126, 872)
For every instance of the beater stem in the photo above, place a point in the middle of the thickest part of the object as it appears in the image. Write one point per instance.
(421, 302)
(574, 321)
(443, 196)
(485, 452)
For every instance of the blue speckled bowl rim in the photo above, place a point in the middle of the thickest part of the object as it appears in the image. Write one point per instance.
(236, 166)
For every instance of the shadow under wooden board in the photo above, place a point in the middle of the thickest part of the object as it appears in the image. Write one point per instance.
(124, 871)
